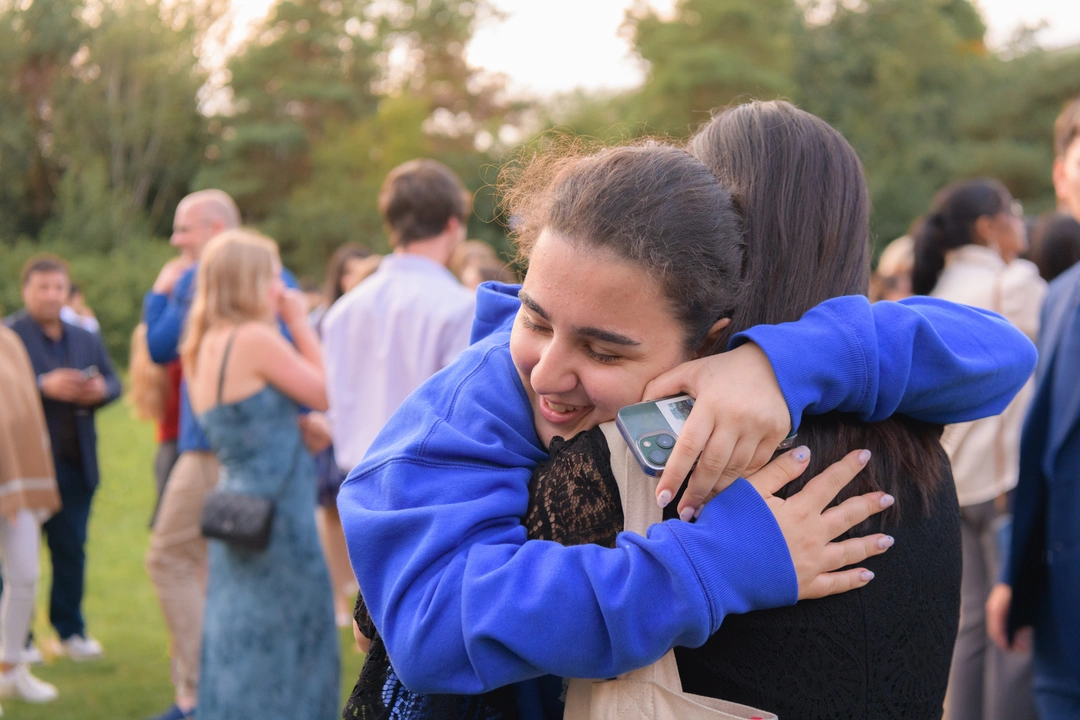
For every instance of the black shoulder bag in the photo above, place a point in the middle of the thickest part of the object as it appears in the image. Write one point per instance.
(241, 519)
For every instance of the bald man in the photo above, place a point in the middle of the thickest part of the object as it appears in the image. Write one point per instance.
(176, 561)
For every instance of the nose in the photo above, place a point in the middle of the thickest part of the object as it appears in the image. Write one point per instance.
(554, 372)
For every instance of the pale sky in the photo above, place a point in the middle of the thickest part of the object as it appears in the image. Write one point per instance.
(559, 45)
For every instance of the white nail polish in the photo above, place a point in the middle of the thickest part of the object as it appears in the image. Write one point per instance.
(687, 514)
(663, 498)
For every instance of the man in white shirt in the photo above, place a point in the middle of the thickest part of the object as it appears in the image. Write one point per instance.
(407, 321)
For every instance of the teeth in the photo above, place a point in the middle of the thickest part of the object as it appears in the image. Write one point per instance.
(562, 408)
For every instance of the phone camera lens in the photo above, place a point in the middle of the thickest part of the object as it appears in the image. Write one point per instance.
(658, 457)
(665, 441)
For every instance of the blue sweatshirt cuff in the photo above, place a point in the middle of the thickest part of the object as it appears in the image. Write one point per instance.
(739, 554)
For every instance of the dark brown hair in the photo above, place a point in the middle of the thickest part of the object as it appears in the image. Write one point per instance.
(44, 263)
(418, 198)
(335, 270)
(806, 210)
(953, 213)
(651, 204)
(1055, 244)
(1067, 127)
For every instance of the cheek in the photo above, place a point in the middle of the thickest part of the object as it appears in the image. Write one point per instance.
(524, 350)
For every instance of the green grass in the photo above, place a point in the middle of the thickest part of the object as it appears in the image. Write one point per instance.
(121, 609)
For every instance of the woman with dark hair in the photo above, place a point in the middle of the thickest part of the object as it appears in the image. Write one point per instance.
(637, 264)
(965, 252)
(1055, 244)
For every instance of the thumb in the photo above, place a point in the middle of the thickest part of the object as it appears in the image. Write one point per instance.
(677, 381)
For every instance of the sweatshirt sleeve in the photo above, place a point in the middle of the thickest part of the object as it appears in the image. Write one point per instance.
(923, 357)
(164, 316)
(465, 603)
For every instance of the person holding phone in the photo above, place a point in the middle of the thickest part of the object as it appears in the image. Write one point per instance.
(76, 378)
(606, 308)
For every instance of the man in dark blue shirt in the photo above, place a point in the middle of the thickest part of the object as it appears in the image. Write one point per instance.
(76, 378)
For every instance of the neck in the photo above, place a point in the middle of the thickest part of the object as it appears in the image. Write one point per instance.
(52, 327)
(434, 249)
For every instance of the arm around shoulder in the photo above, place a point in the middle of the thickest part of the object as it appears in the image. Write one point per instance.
(923, 357)
(283, 367)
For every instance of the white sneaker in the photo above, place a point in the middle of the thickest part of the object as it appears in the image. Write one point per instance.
(19, 683)
(31, 655)
(80, 648)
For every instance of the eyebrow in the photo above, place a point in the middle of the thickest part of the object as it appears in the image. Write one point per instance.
(596, 333)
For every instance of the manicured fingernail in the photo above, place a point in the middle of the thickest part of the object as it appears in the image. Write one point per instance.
(886, 542)
(887, 500)
(697, 513)
(687, 514)
(864, 457)
(801, 453)
(663, 498)
(866, 575)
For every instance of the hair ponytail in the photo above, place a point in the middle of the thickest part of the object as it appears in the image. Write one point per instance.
(948, 227)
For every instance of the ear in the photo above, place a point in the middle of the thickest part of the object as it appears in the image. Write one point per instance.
(984, 231)
(1059, 181)
(710, 338)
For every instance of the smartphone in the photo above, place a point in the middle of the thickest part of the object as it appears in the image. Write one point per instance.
(652, 428)
(90, 373)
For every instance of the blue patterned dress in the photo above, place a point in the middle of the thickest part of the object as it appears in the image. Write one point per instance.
(270, 646)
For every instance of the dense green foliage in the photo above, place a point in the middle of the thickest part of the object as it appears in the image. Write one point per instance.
(109, 115)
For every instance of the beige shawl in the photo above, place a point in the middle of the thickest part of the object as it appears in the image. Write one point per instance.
(27, 477)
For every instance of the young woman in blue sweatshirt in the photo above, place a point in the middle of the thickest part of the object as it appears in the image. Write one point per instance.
(433, 515)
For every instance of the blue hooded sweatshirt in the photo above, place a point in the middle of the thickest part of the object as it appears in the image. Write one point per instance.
(465, 604)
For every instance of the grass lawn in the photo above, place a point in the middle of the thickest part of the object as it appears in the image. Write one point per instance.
(132, 681)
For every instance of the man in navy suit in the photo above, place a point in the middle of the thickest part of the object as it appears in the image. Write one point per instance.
(76, 378)
(1041, 584)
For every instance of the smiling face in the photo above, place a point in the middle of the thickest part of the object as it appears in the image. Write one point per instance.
(592, 331)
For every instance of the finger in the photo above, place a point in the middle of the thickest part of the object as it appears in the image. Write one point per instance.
(851, 512)
(785, 468)
(677, 381)
(691, 441)
(854, 551)
(834, 583)
(762, 455)
(1022, 640)
(995, 628)
(717, 468)
(821, 491)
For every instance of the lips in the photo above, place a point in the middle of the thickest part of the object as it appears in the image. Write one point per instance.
(559, 413)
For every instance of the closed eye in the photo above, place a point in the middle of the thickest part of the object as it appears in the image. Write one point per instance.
(601, 357)
(529, 324)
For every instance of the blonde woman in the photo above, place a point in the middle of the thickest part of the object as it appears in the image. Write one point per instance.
(269, 644)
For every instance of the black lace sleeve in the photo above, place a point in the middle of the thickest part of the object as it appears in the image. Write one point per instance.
(573, 496)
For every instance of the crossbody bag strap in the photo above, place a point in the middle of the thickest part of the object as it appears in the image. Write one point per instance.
(224, 361)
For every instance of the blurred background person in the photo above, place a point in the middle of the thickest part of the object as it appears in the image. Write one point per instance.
(76, 378)
(77, 312)
(348, 266)
(475, 262)
(155, 397)
(28, 496)
(270, 649)
(1055, 244)
(1034, 605)
(892, 278)
(965, 251)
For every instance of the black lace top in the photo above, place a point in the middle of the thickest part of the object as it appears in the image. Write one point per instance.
(880, 652)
